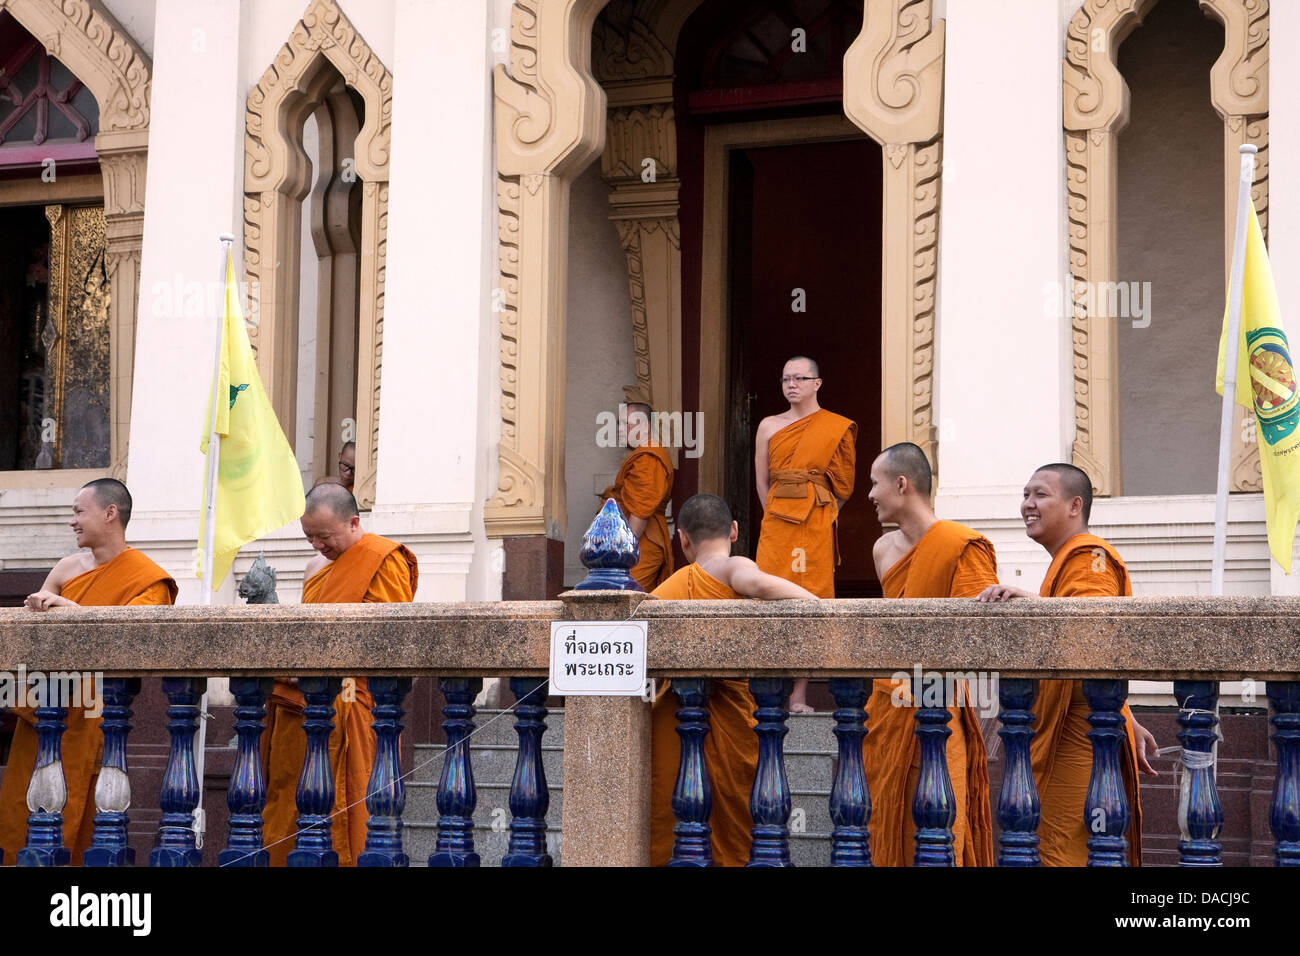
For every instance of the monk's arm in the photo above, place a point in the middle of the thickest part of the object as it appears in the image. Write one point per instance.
(50, 594)
(1086, 574)
(391, 583)
(977, 570)
(843, 467)
(154, 594)
(761, 463)
(747, 579)
(645, 486)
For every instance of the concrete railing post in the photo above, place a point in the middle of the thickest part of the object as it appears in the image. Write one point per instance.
(606, 818)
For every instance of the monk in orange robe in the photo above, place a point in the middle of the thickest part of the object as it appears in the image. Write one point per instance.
(642, 489)
(804, 465)
(1055, 509)
(924, 558)
(111, 574)
(353, 567)
(706, 531)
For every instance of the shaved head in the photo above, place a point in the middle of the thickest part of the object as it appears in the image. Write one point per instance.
(907, 460)
(110, 491)
(705, 517)
(334, 498)
(348, 446)
(815, 370)
(1075, 483)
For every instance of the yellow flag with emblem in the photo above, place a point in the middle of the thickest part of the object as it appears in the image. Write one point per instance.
(259, 486)
(1266, 384)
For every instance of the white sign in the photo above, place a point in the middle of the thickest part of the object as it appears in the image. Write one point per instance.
(598, 658)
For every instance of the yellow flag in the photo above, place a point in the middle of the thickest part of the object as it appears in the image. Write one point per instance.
(259, 487)
(1266, 383)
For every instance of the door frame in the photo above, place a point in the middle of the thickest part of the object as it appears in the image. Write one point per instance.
(715, 294)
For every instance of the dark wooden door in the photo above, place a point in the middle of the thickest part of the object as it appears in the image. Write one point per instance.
(807, 217)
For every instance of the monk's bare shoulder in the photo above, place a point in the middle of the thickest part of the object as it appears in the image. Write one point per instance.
(74, 565)
(314, 565)
(889, 547)
(772, 424)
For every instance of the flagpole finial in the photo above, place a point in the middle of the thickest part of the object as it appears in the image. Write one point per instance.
(226, 237)
(1248, 148)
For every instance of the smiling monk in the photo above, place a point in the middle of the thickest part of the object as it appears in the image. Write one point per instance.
(110, 574)
(352, 567)
(1056, 507)
(924, 558)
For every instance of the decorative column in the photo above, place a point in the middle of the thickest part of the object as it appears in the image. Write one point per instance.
(1284, 813)
(315, 797)
(769, 801)
(109, 845)
(1106, 810)
(1019, 811)
(850, 800)
(456, 794)
(692, 794)
(180, 787)
(246, 796)
(1199, 811)
(47, 792)
(934, 806)
(386, 794)
(529, 798)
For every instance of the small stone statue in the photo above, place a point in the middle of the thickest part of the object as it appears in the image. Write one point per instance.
(258, 585)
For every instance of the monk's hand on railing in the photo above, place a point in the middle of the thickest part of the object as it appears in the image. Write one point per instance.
(1146, 748)
(997, 593)
(44, 600)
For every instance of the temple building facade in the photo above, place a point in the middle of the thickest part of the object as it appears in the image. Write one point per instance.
(468, 230)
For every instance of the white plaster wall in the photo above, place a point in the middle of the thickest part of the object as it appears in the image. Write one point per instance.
(304, 444)
(136, 18)
(599, 355)
(1001, 374)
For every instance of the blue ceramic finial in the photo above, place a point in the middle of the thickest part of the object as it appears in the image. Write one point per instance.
(609, 552)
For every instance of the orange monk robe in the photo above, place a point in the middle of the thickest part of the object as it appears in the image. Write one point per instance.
(811, 463)
(1061, 753)
(128, 579)
(374, 570)
(642, 489)
(950, 560)
(730, 747)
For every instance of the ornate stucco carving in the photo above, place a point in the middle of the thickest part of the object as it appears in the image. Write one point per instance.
(86, 38)
(550, 117)
(1096, 109)
(277, 177)
(893, 89)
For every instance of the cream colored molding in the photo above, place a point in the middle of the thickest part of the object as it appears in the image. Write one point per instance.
(1096, 109)
(550, 124)
(86, 39)
(277, 176)
(893, 89)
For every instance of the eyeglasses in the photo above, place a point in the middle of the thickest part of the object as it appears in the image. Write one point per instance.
(785, 379)
(346, 467)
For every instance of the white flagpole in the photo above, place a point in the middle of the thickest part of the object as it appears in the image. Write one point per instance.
(209, 528)
(1230, 366)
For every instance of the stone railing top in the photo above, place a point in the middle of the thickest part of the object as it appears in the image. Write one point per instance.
(1160, 638)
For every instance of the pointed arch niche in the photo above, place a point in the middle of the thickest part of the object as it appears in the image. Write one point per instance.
(553, 118)
(303, 81)
(85, 38)
(1096, 111)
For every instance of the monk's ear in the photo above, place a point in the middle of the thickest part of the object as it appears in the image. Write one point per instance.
(735, 532)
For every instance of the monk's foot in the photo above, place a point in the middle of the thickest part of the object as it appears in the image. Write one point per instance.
(800, 708)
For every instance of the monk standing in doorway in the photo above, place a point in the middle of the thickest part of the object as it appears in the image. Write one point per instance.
(804, 461)
(642, 489)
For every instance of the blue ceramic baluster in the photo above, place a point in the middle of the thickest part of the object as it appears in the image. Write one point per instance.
(1284, 814)
(109, 845)
(180, 787)
(692, 793)
(315, 797)
(769, 800)
(1198, 717)
(850, 801)
(1019, 811)
(934, 806)
(386, 794)
(529, 798)
(47, 792)
(1106, 810)
(246, 797)
(609, 551)
(456, 794)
